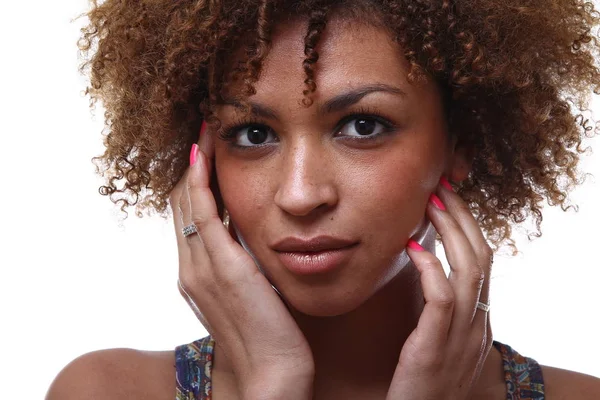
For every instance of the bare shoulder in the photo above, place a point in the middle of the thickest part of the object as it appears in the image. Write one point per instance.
(562, 384)
(116, 374)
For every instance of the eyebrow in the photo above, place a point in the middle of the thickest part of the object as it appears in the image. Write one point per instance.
(335, 104)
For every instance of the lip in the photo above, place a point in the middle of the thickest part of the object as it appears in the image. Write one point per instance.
(320, 254)
(318, 243)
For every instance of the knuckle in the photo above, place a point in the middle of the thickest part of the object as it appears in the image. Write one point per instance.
(187, 280)
(431, 264)
(241, 271)
(463, 207)
(184, 199)
(224, 279)
(195, 282)
(183, 206)
(445, 300)
(193, 182)
(228, 279)
(476, 275)
(203, 220)
(433, 362)
(451, 224)
(211, 290)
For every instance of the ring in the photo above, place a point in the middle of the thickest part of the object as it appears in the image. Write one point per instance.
(483, 306)
(189, 230)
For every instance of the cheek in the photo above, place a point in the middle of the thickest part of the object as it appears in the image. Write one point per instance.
(393, 192)
(399, 180)
(245, 192)
(392, 203)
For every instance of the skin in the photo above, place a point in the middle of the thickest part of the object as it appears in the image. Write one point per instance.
(311, 183)
(307, 182)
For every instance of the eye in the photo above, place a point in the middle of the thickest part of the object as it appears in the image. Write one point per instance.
(362, 126)
(253, 135)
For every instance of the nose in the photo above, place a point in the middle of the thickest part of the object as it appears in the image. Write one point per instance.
(307, 181)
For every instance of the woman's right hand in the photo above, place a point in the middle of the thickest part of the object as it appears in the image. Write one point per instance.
(232, 298)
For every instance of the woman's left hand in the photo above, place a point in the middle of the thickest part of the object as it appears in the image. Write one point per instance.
(444, 355)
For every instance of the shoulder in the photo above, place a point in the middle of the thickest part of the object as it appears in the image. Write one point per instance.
(116, 374)
(563, 384)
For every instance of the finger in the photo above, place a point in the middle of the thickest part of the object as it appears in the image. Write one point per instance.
(198, 267)
(178, 222)
(185, 209)
(435, 320)
(203, 210)
(466, 275)
(194, 241)
(180, 208)
(463, 216)
(177, 195)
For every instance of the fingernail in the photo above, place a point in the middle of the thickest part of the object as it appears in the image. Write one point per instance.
(438, 203)
(194, 154)
(444, 182)
(414, 245)
(202, 127)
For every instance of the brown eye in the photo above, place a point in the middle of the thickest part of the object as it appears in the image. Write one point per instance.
(362, 126)
(253, 135)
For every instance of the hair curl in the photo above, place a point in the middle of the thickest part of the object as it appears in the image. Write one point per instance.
(513, 72)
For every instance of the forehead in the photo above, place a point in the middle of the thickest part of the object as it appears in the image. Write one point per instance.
(350, 54)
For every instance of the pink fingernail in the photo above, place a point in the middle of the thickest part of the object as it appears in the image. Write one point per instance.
(202, 127)
(414, 245)
(438, 203)
(194, 154)
(444, 182)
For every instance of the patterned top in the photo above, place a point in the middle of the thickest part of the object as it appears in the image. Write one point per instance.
(193, 367)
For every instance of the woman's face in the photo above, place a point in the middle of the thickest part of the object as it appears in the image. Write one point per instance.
(359, 164)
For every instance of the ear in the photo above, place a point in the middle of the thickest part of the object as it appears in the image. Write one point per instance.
(460, 163)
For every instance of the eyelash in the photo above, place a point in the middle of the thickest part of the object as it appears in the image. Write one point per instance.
(228, 132)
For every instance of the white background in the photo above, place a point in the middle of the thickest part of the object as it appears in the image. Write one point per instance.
(73, 279)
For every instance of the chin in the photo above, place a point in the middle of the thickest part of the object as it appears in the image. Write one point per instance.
(326, 305)
(319, 297)
(334, 293)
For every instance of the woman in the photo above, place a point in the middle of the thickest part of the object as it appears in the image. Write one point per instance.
(330, 133)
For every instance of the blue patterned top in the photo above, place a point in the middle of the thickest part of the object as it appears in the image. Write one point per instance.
(193, 365)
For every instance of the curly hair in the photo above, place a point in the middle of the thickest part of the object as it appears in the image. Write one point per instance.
(513, 72)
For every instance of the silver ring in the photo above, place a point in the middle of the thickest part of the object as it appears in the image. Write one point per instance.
(483, 306)
(189, 230)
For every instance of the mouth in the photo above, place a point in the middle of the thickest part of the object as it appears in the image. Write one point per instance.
(314, 256)
(315, 244)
